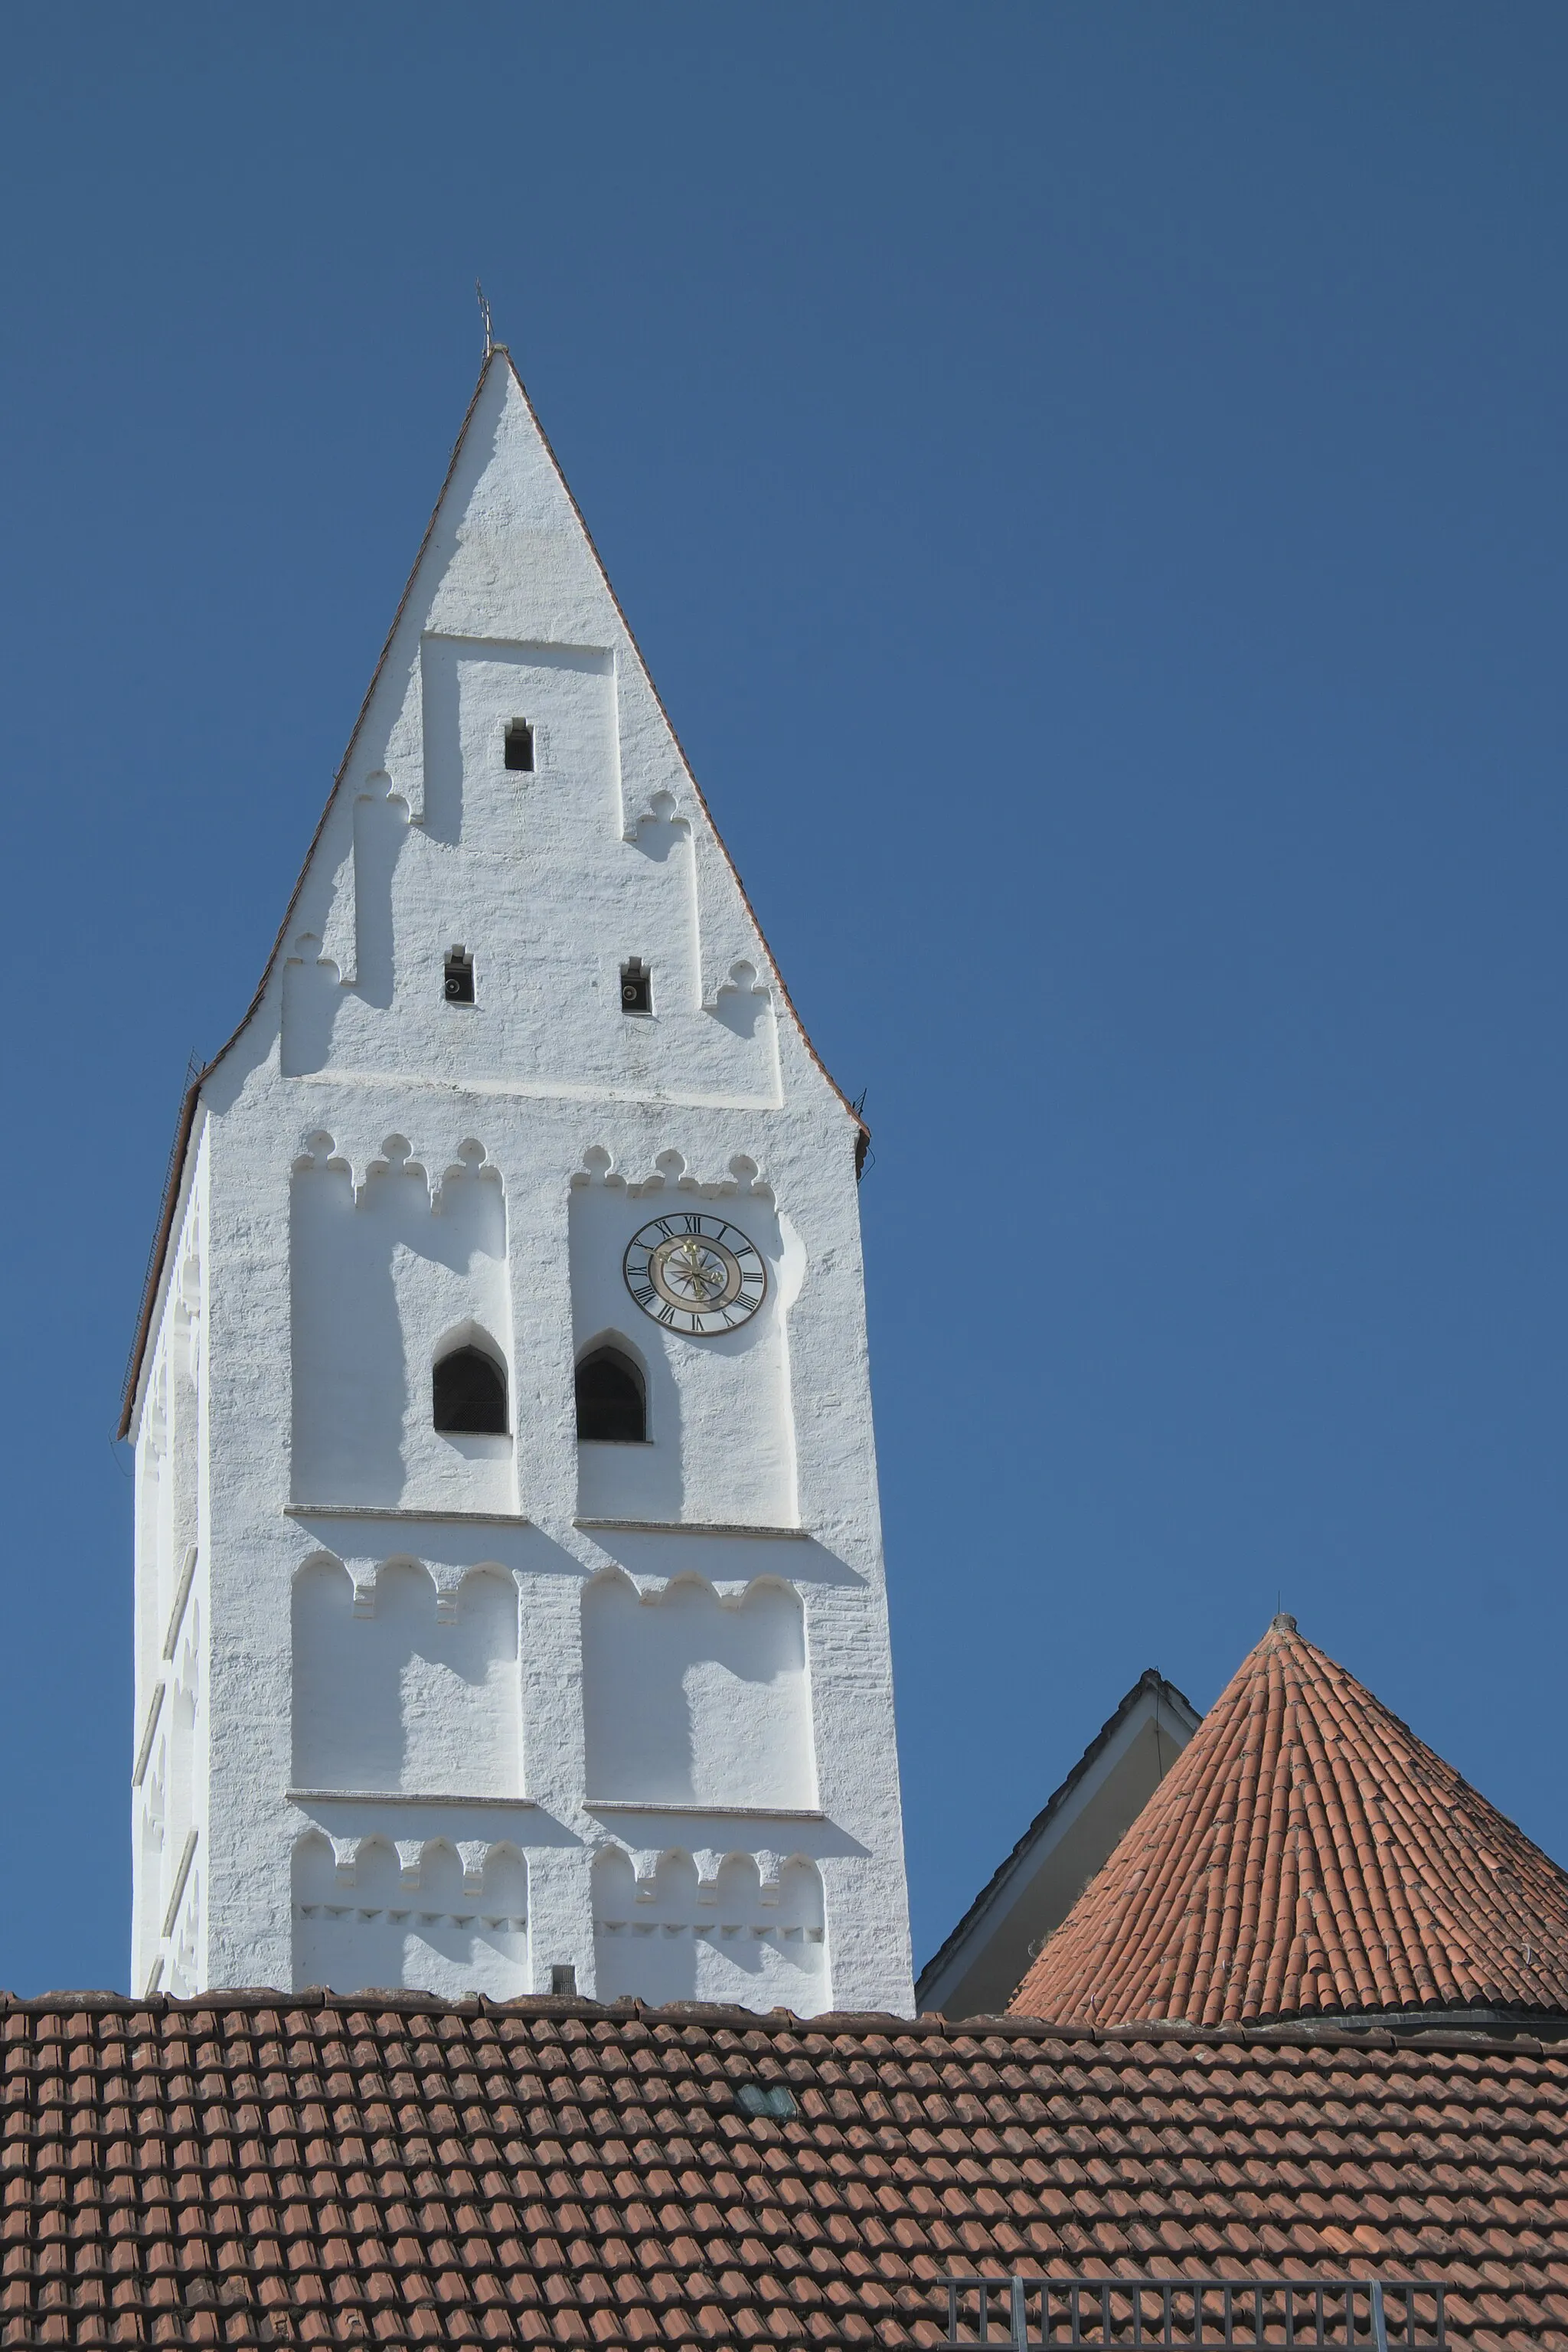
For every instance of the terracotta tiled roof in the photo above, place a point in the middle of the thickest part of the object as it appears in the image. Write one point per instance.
(1308, 1855)
(253, 2169)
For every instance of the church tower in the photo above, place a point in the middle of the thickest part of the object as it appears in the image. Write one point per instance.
(509, 1609)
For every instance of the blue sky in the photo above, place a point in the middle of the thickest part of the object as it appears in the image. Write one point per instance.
(1091, 484)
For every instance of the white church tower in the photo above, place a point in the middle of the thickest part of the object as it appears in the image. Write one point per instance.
(510, 1611)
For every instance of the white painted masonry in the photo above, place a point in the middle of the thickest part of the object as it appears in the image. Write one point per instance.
(458, 1711)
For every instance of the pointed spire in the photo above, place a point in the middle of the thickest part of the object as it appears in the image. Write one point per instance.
(1308, 1855)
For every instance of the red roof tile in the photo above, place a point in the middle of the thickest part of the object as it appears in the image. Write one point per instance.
(252, 2169)
(1308, 1855)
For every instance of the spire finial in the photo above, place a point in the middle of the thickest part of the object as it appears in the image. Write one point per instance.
(485, 318)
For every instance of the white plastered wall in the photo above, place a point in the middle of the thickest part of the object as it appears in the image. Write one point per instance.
(169, 1777)
(720, 1446)
(379, 1169)
(386, 1276)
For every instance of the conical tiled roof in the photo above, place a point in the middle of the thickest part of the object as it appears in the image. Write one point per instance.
(1306, 1855)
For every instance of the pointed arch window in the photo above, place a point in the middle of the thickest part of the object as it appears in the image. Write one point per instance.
(611, 1401)
(469, 1395)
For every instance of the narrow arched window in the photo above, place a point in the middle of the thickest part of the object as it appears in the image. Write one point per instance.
(470, 1394)
(612, 1405)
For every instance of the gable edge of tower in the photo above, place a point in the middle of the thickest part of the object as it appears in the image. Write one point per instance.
(179, 1156)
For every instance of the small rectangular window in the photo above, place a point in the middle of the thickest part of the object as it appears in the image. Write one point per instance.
(459, 983)
(563, 1977)
(636, 987)
(520, 746)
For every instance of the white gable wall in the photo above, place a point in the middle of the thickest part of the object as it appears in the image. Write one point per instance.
(980, 1967)
(385, 1170)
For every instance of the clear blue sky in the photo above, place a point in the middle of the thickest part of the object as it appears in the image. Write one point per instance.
(1091, 484)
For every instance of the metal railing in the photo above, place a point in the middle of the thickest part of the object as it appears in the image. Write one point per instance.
(1190, 2315)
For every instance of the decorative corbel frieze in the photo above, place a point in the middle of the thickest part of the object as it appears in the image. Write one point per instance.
(319, 1151)
(743, 978)
(659, 808)
(472, 1160)
(395, 1158)
(669, 1172)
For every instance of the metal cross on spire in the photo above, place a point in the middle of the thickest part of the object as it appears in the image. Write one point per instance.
(485, 318)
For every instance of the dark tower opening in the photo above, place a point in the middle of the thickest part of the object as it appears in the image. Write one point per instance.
(469, 1395)
(612, 1404)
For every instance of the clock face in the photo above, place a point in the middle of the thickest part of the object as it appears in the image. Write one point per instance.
(695, 1275)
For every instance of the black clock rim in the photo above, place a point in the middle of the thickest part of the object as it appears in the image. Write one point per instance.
(725, 1226)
